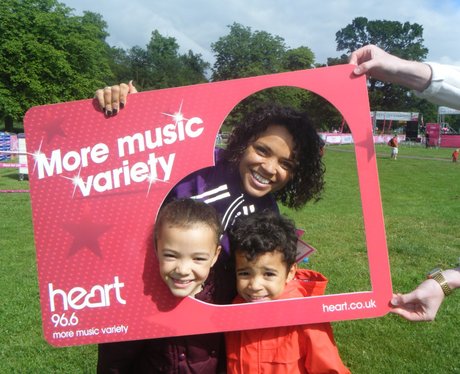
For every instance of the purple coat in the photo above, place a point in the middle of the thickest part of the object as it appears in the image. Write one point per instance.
(220, 186)
(193, 354)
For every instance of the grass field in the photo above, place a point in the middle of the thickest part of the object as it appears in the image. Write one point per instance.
(421, 202)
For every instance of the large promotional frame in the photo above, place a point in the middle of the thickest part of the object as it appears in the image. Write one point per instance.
(97, 184)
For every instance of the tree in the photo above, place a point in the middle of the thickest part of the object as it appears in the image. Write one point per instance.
(48, 55)
(160, 65)
(298, 59)
(163, 58)
(331, 61)
(194, 68)
(120, 66)
(139, 66)
(244, 53)
(404, 40)
(401, 39)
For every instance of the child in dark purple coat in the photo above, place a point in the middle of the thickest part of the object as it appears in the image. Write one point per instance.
(187, 234)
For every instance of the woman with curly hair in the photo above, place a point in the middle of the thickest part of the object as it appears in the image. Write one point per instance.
(304, 164)
(274, 154)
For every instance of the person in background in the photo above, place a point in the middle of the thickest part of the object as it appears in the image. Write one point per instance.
(439, 84)
(455, 155)
(393, 143)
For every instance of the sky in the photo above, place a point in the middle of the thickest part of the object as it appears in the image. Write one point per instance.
(196, 24)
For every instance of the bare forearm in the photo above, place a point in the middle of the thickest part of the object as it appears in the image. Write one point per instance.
(452, 277)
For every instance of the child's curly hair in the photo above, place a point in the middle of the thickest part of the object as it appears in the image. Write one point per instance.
(308, 176)
(262, 232)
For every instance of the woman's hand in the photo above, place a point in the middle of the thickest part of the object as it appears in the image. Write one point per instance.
(422, 304)
(113, 98)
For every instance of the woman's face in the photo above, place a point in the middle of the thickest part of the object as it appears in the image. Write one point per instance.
(267, 164)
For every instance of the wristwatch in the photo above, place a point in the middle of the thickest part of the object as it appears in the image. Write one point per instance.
(436, 274)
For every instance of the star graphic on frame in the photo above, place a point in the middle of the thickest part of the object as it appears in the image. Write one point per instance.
(86, 235)
(363, 144)
(53, 128)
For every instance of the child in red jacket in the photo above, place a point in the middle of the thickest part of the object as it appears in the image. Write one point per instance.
(264, 249)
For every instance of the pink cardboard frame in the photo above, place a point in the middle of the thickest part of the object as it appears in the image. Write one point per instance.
(94, 203)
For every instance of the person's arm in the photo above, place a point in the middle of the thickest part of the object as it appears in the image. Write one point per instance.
(423, 303)
(444, 88)
(375, 62)
(437, 83)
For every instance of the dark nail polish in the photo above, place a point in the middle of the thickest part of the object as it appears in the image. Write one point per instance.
(122, 105)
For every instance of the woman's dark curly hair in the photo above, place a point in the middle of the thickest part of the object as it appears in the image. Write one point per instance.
(308, 176)
(262, 232)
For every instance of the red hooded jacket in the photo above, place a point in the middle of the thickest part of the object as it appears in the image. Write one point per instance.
(287, 349)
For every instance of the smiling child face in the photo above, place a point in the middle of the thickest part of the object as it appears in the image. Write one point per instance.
(186, 255)
(264, 278)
